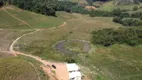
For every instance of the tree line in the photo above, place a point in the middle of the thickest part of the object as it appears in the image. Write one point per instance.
(108, 37)
(128, 21)
(46, 7)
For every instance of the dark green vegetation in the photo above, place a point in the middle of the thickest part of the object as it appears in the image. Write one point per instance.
(46, 7)
(128, 21)
(107, 37)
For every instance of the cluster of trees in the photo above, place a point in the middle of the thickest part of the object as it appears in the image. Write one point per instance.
(120, 2)
(64, 6)
(116, 12)
(127, 21)
(108, 37)
(79, 9)
(1, 3)
(46, 7)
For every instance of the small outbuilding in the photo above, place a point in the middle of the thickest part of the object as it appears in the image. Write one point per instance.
(74, 71)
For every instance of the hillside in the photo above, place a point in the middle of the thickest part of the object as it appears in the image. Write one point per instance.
(16, 69)
(106, 43)
(109, 6)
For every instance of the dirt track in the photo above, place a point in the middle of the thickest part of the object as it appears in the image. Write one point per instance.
(60, 73)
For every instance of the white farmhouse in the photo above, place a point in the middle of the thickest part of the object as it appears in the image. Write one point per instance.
(74, 72)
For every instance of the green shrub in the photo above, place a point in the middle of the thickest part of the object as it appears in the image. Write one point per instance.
(117, 19)
(141, 18)
(135, 8)
(108, 37)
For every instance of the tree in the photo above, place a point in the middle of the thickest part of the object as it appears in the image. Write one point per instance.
(117, 19)
(45, 7)
(90, 2)
(135, 8)
(141, 18)
(1, 3)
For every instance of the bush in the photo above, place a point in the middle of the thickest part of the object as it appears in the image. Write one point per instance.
(130, 22)
(108, 37)
(98, 13)
(116, 12)
(127, 21)
(79, 9)
(70, 60)
(135, 8)
(117, 19)
(141, 18)
(136, 15)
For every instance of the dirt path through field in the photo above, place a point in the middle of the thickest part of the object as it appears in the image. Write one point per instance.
(61, 74)
(64, 75)
(17, 18)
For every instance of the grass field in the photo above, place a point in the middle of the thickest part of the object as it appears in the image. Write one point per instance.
(6, 21)
(5, 55)
(33, 19)
(118, 62)
(20, 68)
(37, 20)
(109, 6)
(8, 36)
(79, 1)
(16, 69)
(74, 29)
(74, 46)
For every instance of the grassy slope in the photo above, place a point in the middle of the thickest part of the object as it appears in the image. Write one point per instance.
(36, 20)
(108, 6)
(16, 69)
(118, 62)
(8, 36)
(33, 19)
(6, 21)
(41, 45)
(79, 1)
(5, 55)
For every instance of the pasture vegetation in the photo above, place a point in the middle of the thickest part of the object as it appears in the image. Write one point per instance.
(109, 6)
(74, 46)
(80, 28)
(36, 20)
(5, 55)
(8, 22)
(8, 36)
(115, 62)
(16, 69)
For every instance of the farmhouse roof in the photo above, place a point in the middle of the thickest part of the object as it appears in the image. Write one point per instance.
(72, 67)
(75, 75)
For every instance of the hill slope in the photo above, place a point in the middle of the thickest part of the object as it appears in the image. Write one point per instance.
(16, 69)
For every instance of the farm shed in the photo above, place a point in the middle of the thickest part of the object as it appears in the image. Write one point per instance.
(74, 72)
